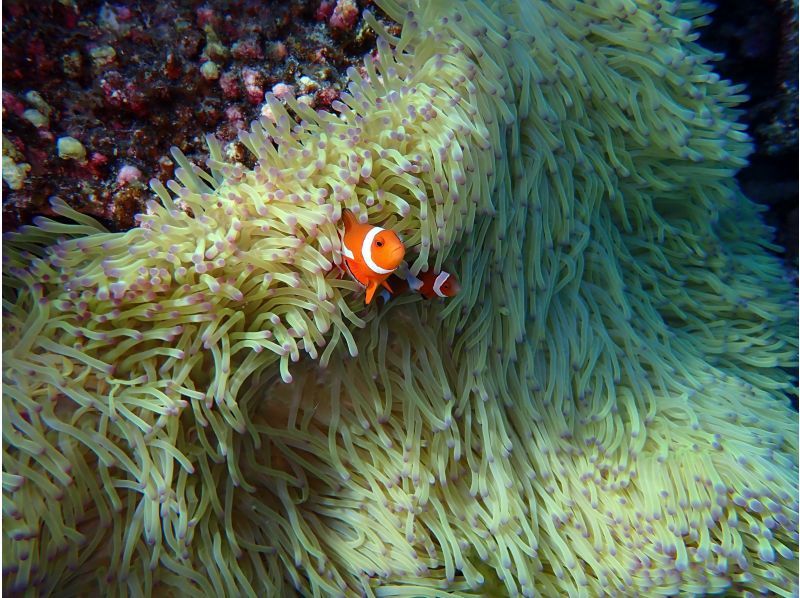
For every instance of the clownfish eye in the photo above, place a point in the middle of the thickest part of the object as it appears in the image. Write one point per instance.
(380, 243)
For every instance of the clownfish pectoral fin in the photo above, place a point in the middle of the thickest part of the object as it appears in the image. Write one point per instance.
(386, 285)
(414, 283)
(371, 288)
(349, 219)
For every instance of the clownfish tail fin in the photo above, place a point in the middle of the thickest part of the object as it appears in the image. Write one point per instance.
(414, 283)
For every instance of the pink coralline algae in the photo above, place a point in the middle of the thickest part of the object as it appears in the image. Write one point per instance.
(248, 49)
(278, 51)
(345, 15)
(229, 84)
(233, 113)
(235, 116)
(128, 174)
(282, 91)
(13, 104)
(326, 95)
(253, 85)
(120, 94)
(123, 13)
(97, 164)
(205, 15)
(324, 10)
(172, 67)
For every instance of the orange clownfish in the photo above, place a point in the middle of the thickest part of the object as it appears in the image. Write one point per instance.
(371, 253)
(429, 284)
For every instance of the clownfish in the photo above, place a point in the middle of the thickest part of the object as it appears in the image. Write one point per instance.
(371, 253)
(429, 284)
(432, 284)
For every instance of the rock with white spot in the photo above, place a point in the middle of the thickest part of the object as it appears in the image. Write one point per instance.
(210, 70)
(36, 118)
(70, 148)
(306, 84)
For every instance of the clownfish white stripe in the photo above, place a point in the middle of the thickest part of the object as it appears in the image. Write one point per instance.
(366, 251)
(346, 250)
(437, 284)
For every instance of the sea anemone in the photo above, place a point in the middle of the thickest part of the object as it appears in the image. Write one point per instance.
(201, 406)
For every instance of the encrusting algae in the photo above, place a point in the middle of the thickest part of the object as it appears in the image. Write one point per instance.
(199, 406)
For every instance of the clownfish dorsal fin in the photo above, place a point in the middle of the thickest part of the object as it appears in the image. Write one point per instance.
(349, 219)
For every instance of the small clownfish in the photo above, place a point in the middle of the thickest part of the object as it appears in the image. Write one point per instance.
(371, 253)
(432, 284)
(429, 284)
